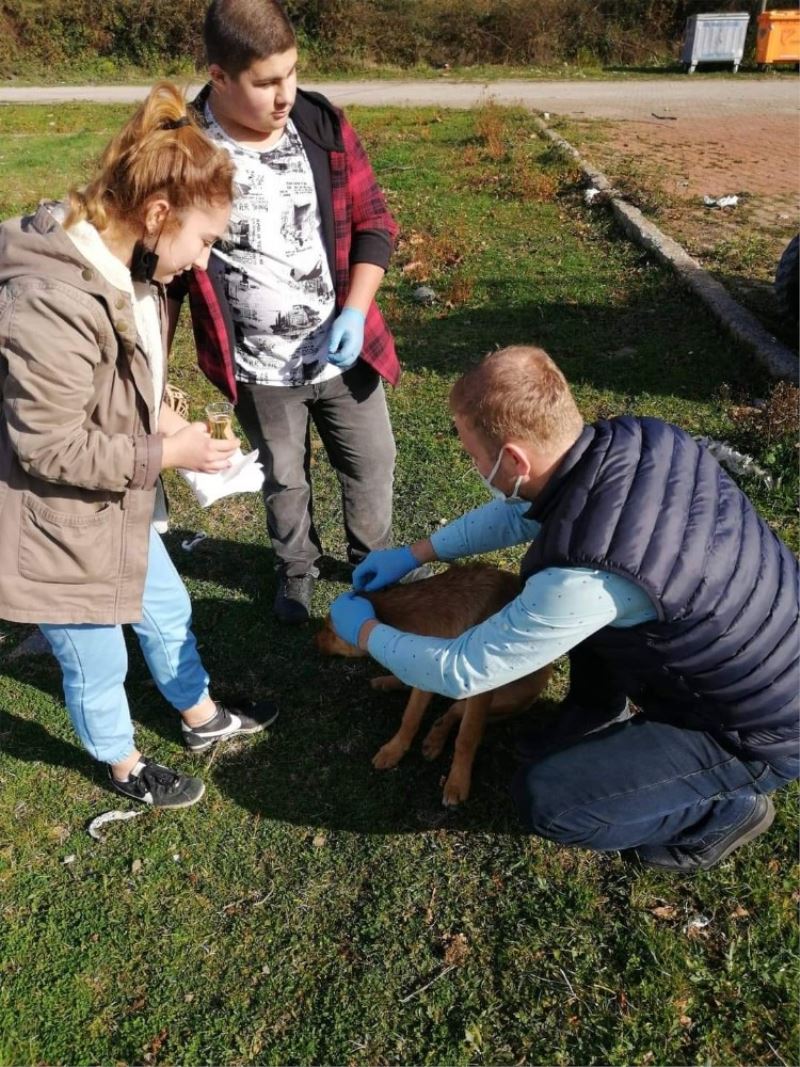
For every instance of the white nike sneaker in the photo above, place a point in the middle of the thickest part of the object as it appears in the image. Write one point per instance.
(227, 723)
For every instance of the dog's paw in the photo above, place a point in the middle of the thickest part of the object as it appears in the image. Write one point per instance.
(388, 756)
(456, 789)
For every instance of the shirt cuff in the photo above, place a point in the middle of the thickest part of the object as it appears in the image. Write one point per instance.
(147, 455)
(378, 642)
(371, 246)
(447, 543)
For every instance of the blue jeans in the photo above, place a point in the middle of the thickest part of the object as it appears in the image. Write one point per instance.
(94, 661)
(642, 783)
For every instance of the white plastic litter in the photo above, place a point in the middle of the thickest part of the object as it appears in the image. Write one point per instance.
(191, 543)
(590, 194)
(736, 462)
(721, 201)
(245, 475)
(100, 821)
(698, 922)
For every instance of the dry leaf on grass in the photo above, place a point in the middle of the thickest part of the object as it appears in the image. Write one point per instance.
(456, 949)
(664, 911)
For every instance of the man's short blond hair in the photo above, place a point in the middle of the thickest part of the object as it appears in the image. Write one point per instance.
(517, 393)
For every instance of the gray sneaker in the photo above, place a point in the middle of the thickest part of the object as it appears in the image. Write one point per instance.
(228, 723)
(293, 599)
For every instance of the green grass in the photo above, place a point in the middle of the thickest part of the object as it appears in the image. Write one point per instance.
(106, 70)
(312, 910)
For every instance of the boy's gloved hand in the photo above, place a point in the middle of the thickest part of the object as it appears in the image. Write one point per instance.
(347, 338)
(384, 566)
(349, 612)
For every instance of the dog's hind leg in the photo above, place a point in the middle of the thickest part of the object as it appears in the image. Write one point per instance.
(437, 735)
(393, 751)
(470, 734)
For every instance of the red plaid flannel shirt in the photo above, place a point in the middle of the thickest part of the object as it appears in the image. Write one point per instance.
(359, 209)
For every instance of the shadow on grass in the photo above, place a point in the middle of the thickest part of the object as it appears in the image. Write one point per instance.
(29, 742)
(662, 343)
(758, 296)
(316, 771)
(662, 70)
(672, 69)
(313, 767)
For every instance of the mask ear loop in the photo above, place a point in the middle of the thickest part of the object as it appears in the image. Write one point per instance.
(490, 476)
(515, 498)
(144, 260)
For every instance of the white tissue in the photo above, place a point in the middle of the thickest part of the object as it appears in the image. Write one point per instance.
(245, 475)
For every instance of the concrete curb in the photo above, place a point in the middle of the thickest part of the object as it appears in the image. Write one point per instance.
(779, 360)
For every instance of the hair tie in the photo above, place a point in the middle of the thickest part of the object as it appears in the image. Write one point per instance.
(175, 124)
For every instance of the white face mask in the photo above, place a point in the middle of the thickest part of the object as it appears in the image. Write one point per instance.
(498, 494)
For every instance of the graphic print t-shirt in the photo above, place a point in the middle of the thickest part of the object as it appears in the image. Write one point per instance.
(273, 265)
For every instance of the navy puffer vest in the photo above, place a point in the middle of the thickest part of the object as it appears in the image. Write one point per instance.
(640, 498)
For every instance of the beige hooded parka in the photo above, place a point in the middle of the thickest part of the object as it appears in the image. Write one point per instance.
(79, 454)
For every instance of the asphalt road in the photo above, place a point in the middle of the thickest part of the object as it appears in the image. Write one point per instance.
(631, 99)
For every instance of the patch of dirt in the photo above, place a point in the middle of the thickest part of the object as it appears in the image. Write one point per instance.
(669, 165)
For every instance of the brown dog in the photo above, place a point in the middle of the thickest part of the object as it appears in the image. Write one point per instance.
(445, 605)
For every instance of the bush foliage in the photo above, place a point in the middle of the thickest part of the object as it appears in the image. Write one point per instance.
(345, 33)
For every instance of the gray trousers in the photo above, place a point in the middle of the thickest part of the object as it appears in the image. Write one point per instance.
(351, 417)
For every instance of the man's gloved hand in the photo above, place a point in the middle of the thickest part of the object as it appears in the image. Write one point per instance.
(349, 612)
(384, 566)
(347, 338)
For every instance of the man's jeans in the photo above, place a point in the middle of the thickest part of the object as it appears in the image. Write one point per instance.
(642, 783)
(94, 661)
(350, 414)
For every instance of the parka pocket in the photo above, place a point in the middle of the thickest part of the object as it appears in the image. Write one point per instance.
(57, 547)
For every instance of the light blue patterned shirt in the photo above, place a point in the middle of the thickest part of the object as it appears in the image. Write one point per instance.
(556, 610)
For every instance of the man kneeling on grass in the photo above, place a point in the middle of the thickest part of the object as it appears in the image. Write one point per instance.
(654, 571)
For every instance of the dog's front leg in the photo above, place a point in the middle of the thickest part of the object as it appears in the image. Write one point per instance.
(394, 750)
(470, 734)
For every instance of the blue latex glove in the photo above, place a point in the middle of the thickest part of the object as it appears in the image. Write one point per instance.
(384, 566)
(347, 338)
(349, 612)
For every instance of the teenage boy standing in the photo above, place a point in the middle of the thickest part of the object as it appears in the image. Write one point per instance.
(285, 320)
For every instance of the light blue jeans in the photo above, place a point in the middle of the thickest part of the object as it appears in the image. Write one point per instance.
(94, 661)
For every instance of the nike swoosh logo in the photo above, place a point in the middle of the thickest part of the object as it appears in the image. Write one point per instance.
(234, 724)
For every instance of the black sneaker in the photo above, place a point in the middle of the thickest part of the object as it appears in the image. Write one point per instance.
(293, 599)
(685, 859)
(150, 783)
(227, 723)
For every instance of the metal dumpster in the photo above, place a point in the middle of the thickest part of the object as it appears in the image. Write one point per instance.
(778, 39)
(715, 38)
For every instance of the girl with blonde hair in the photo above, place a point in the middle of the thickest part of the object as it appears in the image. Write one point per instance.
(84, 434)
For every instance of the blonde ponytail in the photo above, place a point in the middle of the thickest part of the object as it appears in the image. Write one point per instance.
(159, 151)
